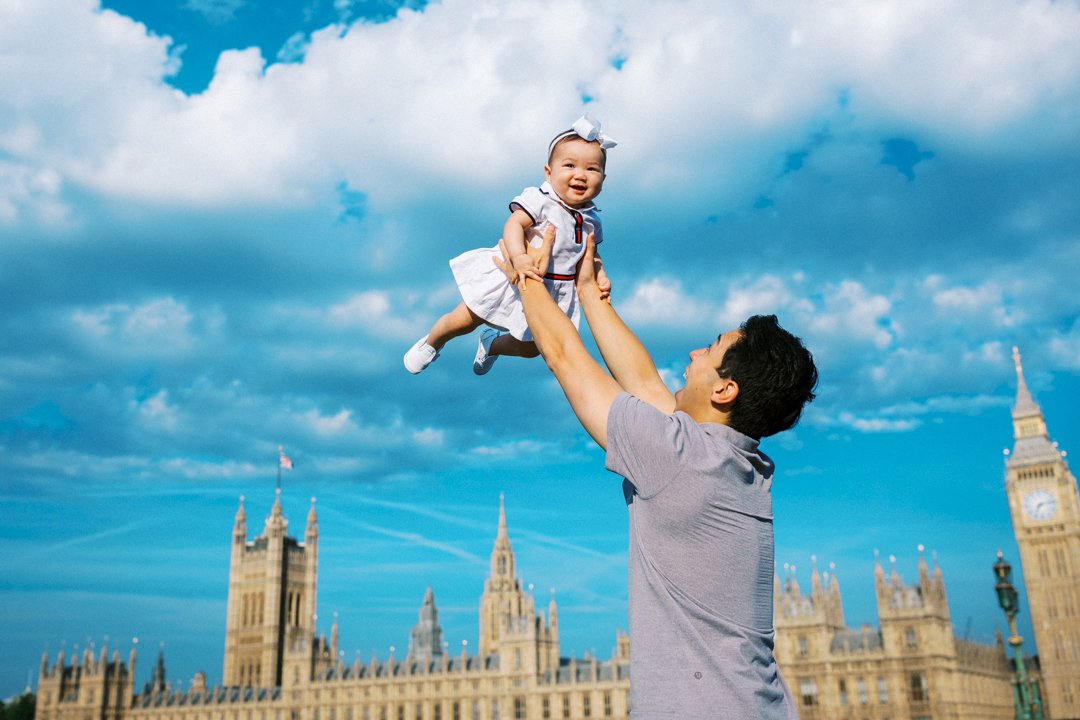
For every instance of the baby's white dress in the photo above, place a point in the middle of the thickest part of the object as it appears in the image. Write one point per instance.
(484, 287)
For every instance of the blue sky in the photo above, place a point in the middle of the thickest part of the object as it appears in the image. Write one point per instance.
(223, 221)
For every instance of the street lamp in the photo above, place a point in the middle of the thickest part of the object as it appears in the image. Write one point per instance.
(1026, 700)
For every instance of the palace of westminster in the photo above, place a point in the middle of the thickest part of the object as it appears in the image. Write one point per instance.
(912, 667)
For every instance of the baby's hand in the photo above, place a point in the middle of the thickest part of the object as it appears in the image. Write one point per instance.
(525, 266)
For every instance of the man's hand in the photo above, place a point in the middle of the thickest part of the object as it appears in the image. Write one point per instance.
(524, 266)
(539, 257)
(591, 270)
(602, 281)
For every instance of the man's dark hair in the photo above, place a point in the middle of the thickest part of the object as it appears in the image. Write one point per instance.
(776, 376)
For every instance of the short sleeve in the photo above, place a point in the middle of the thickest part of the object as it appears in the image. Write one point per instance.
(531, 200)
(644, 444)
(598, 230)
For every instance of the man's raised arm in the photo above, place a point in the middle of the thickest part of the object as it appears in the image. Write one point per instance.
(625, 356)
(586, 385)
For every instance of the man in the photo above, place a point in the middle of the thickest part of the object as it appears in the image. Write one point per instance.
(698, 492)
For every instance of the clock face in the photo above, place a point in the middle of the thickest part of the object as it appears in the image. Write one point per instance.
(1040, 505)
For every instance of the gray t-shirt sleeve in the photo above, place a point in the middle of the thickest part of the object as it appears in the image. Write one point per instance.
(640, 438)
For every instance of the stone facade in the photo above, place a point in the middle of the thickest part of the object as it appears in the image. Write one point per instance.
(277, 668)
(912, 667)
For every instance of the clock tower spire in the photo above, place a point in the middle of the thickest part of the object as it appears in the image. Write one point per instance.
(1045, 511)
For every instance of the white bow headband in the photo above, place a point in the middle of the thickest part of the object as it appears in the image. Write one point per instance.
(588, 129)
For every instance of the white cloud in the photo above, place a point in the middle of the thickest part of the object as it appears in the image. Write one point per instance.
(333, 425)
(381, 313)
(1064, 347)
(853, 313)
(510, 450)
(361, 308)
(157, 326)
(29, 192)
(877, 424)
(156, 411)
(216, 11)
(985, 301)
(967, 299)
(429, 437)
(662, 301)
(378, 104)
(766, 295)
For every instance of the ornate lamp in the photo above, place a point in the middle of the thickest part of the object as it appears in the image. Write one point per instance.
(1026, 700)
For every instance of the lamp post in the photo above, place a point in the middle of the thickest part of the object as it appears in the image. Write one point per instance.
(1026, 700)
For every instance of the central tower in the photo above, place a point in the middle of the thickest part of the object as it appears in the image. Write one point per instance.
(510, 627)
(270, 621)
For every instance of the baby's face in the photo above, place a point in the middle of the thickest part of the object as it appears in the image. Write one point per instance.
(576, 171)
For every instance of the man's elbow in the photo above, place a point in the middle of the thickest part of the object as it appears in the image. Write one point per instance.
(555, 356)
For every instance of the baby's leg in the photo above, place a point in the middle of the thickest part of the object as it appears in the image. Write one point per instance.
(510, 345)
(459, 321)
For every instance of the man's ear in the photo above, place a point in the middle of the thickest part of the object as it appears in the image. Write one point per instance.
(724, 392)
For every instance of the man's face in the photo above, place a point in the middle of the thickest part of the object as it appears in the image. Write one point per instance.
(576, 171)
(702, 376)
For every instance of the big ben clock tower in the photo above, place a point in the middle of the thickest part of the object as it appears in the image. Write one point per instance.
(1046, 519)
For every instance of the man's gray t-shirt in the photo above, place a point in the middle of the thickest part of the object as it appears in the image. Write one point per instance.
(701, 567)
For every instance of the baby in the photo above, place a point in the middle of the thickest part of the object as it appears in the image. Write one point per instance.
(574, 174)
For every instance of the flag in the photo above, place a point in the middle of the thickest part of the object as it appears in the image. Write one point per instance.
(284, 461)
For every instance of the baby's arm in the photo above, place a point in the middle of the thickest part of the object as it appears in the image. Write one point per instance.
(514, 238)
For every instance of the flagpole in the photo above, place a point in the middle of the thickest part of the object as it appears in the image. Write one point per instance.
(283, 461)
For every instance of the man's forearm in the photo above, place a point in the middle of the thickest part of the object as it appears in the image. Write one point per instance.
(551, 329)
(625, 356)
(588, 388)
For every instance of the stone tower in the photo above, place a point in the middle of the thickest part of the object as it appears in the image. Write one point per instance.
(270, 621)
(509, 624)
(913, 616)
(87, 687)
(425, 642)
(807, 623)
(1045, 511)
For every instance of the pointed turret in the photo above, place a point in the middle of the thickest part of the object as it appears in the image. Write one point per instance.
(815, 578)
(157, 683)
(1033, 445)
(312, 530)
(239, 530)
(818, 611)
(837, 599)
(1025, 403)
(132, 656)
(924, 569)
(277, 516)
(509, 624)
(553, 616)
(335, 637)
(502, 556)
(425, 643)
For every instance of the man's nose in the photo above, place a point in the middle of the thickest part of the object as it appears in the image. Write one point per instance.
(694, 353)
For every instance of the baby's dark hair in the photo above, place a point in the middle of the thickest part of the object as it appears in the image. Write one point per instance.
(568, 135)
(776, 376)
